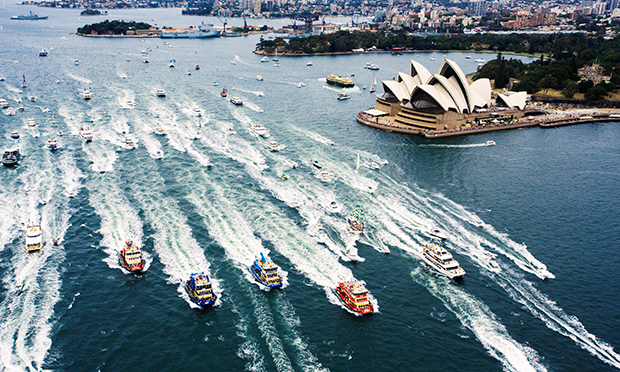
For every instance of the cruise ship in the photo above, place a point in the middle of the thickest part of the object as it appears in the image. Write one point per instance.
(340, 81)
(441, 260)
(204, 30)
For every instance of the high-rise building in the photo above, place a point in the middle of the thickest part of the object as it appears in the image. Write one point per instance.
(477, 8)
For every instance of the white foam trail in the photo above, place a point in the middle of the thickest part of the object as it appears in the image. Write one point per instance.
(455, 146)
(79, 78)
(252, 106)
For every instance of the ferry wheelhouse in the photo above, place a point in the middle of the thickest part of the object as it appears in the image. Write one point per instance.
(340, 81)
(200, 289)
(266, 272)
(441, 260)
(131, 257)
(355, 296)
(34, 237)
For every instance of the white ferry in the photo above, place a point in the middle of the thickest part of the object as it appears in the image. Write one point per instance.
(441, 260)
(259, 130)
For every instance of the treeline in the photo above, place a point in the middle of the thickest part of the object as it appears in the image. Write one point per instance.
(114, 27)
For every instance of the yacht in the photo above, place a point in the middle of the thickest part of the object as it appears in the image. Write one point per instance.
(355, 296)
(266, 272)
(87, 94)
(14, 134)
(131, 257)
(441, 260)
(259, 78)
(259, 130)
(34, 237)
(274, 146)
(236, 101)
(160, 92)
(86, 133)
(316, 164)
(52, 144)
(160, 130)
(343, 96)
(490, 143)
(129, 144)
(200, 290)
(264, 59)
(11, 157)
(32, 123)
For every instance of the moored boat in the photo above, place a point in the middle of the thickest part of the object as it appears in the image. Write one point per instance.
(10, 157)
(131, 257)
(266, 272)
(355, 296)
(236, 101)
(441, 260)
(86, 133)
(200, 289)
(340, 81)
(34, 237)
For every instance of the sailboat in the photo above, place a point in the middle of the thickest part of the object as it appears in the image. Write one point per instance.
(372, 84)
(275, 58)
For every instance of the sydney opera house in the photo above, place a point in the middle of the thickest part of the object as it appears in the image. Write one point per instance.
(419, 101)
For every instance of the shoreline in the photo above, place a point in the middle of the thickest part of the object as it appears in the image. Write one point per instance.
(390, 125)
(281, 54)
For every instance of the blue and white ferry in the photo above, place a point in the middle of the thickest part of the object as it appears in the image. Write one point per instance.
(266, 272)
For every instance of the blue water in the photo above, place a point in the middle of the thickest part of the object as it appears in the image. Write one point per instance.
(544, 196)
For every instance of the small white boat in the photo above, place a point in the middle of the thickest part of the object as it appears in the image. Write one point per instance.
(20, 107)
(301, 85)
(189, 72)
(373, 165)
(129, 143)
(130, 103)
(231, 130)
(215, 83)
(277, 64)
(76, 62)
(490, 143)
(260, 130)
(86, 133)
(264, 59)
(325, 176)
(31, 123)
(87, 94)
(309, 63)
(343, 96)
(233, 62)
(259, 78)
(334, 207)
(52, 144)
(32, 98)
(14, 134)
(145, 59)
(160, 92)
(433, 59)
(316, 164)
(480, 60)
(274, 146)
(9, 111)
(159, 154)
(159, 130)
(171, 63)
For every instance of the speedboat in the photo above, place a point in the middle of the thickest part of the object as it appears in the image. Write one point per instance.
(355, 296)
(259, 78)
(334, 207)
(233, 62)
(301, 84)
(76, 62)
(160, 130)
(343, 96)
(316, 164)
(264, 59)
(266, 272)
(34, 237)
(441, 260)
(52, 144)
(309, 63)
(198, 111)
(259, 130)
(215, 83)
(160, 92)
(43, 53)
(231, 130)
(373, 67)
(480, 60)
(284, 176)
(325, 176)
(129, 143)
(10, 157)
(159, 154)
(87, 94)
(86, 133)
(373, 165)
(236, 101)
(14, 134)
(490, 143)
(171, 63)
(145, 59)
(131, 257)
(32, 98)
(200, 290)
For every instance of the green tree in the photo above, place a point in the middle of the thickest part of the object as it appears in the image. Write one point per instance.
(570, 89)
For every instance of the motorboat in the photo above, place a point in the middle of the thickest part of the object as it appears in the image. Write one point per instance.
(236, 101)
(490, 143)
(76, 62)
(259, 78)
(355, 296)
(197, 67)
(34, 237)
(260, 130)
(301, 84)
(86, 133)
(160, 92)
(231, 130)
(316, 164)
(343, 96)
(14, 134)
(224, 93)
(198, 111)
(215, 83)
(200, 290)
(145, 59)
(159, 154)
(374, 166)
(20, 107)
(441, 260)
(52, 144)
(42, 53)
(284, 176)
(87, 94)
(266, 272)
(10, 111)
(31, 123)
(172, 63)
(274, 146)
(32, 98)
(467, 57)
(264, 59)
(480, 60)
(131, 257)
(325, 176)
(433, 59)
(373, 67)
(189, 72)
(4, 103)
(334, 207)
(309, 63)
(233, 62)
(129, 143)
(160, 130)
(11, 157)
(277, 64)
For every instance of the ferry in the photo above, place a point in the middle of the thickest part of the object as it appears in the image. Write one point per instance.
(340, 81)
(52, 144)
(86, 133)
(355, 296)
(236, 101)
(441, 260)
(14, 134)
(131, 257)
(200, 290)
(10, 157)
(260, 130)
(203, 31)
(34, 237)
(87, 94)
(160, 92)
(266, 272)
(42, 53)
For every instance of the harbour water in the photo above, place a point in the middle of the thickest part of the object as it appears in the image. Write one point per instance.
(538, 197)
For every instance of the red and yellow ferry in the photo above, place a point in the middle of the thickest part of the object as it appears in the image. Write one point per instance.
(355, 296)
